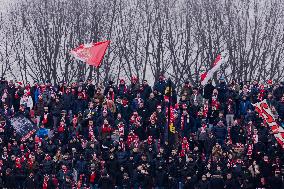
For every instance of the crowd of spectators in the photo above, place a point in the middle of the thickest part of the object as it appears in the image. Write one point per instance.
(117, 136)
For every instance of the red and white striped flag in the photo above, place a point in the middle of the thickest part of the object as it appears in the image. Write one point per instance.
(265, 112)
(216, 65)
(92, 53)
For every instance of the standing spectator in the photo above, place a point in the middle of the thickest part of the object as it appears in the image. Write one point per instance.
(160, 85)
(220, 132)
(186, 90)
(90, 89)
(208, 90)
(68, 100)
(222, 90)
(39, 109)
(245, 104)
(122, 89)
(146, 90)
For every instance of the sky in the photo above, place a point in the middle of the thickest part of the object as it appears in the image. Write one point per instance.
(4, 4)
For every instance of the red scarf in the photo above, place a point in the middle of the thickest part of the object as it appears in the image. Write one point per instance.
(110, 96)
(205, 111)
(61, 128)
(185, 146)
(30, 164)
(45, 184)
(261, 95)
(215, 102)
(250, 148)
(130, 139)
(18, 165)
(91, 131)
(122, 145)
(106, 128)
(44, 121)
(120, 129)
(93, 177)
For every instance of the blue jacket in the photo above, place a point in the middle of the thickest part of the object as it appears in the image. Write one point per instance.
(244, 106)
(42, 132)
(220, 132)
(160, 86)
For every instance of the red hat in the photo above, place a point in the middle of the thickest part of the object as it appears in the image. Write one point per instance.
(269, 82)
(134, 78)
(166, 98)
(18, 160)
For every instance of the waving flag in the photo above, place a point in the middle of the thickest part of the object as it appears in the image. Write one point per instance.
(265, 112)
(92, 53)
(216, 65)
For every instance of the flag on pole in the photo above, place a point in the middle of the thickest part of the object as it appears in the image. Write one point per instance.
(92, 53)
(265, 112)
(205, 76)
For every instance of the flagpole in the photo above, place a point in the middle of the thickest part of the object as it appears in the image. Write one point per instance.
(169, 109)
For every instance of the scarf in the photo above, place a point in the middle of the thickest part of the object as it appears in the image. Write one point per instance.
(182, 122)
(110, 96)
(250, 148)
(106, 128)
(120, 129)
(255, 138)
(30, 164)
(123, 88)
(44, 121)
(91, 131)
(215, 102)
(261, 95)
(185, 146)
(205, 111)
(61, 128)
(93, 177)
(18, 165)
(122, 145)
(45, 184)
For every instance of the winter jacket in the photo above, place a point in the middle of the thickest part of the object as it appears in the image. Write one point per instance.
(220, 132)
(68, 100)
(39, 108)
(208, 90)
(79, 106)
(244, 106)
(151, 105)
(56, 108)
(222, 90)
(90, 90)
(160, 86)
(145, 93)
(42, 133)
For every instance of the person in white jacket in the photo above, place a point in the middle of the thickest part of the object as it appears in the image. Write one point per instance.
(27, 101)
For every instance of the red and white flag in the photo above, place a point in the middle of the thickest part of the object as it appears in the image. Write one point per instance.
(265, 112)
(216, 65)
(92, 53)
